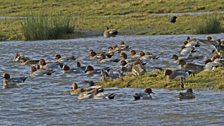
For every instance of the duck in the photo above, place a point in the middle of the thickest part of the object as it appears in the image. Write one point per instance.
(92, 55)
(194, 68)
(61, 59)
(87, 94)
(89, 70)
(98, 93)
(19, 58)
(9, 82)
(75, 90)
(148, 55)
(27, 62)
(186, 95)
(110, 32)
(177, 74)
(138, 68)
(145, 96)
(133, 54)
(36, 71)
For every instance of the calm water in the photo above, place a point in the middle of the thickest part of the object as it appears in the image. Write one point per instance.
(46, 101)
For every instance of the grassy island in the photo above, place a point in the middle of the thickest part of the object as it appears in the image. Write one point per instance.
(204, 80)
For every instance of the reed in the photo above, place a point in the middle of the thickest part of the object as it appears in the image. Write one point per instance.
(210, 24)
(46, 27)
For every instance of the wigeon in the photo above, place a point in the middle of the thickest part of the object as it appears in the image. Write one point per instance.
(146, 95)
(92, 54)
(177, 74)
(89, 70)
(75, 90)
(110, 32)
(145, 56)
(186, 95)
(98, 93)
(138, 68)
(9, 82)
(36, 71)
(61, 59)
(194, 68)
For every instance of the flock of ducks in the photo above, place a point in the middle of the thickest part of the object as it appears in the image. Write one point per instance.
(128, 62)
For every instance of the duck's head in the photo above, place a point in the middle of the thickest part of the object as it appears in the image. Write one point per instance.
(78, 64)
(141, 54)
(133, 52)
(168, 72)
(6, 75)
(123, 55)
(66, 68)
(189, 90)
(74, 86)
(17, 55)
(182, 62)
(89, 70)
(42, 62)
(57, 56)
(33, 69)
(175, 57)
(148, 91)
(92, 53)
(209, 38)
(102, 56)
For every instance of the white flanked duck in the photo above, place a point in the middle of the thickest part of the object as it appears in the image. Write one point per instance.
(9, 82)
(146, 95)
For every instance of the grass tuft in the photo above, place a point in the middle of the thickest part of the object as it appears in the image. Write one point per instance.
(46, 27)
(209, 25)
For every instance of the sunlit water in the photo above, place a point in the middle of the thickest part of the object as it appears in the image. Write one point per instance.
(46, 101)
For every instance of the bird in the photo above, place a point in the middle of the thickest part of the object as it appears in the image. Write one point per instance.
(9, 82)
(146, 95)
(172, 19)
(186, 95)
(110, 32)
(177, 74)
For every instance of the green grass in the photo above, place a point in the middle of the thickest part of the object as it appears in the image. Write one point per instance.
(129, 17)
(203, 80)
(46, 27)
(211, 24)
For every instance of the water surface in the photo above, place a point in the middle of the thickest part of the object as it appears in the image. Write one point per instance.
(46, 101)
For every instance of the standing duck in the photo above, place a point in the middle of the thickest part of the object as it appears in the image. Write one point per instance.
(177, 74)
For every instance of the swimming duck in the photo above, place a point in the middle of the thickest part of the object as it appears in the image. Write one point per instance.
(60, 59)
(89, 70)
(186, 95)
(133, 54)
(100, 94)
(36, 71)
(75, 90)
(146, 95)
(145, 56)
(92, 54)
(9, 82)
(27, 61)
(177, 74)
(110, 32)
(19, 58)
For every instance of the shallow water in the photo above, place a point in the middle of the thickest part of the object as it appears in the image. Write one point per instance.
(46, 101)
